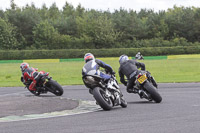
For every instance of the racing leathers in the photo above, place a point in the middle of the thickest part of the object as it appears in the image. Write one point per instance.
(130, 68)
(92, 68)
(30, 74)
(138, 56)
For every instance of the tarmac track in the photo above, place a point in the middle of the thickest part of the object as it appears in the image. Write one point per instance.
(178, 112)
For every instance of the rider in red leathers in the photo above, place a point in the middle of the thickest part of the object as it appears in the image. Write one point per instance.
(29, 73)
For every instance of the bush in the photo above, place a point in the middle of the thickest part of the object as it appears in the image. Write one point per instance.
(79, 53)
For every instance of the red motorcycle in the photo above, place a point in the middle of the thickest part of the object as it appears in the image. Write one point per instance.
(45, 84)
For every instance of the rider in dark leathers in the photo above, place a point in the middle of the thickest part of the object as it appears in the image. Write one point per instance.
(129, 68)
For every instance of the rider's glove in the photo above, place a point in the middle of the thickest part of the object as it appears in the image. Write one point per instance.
(148, 72)
(24, 83)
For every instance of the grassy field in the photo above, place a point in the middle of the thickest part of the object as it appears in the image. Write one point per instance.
(69, 73)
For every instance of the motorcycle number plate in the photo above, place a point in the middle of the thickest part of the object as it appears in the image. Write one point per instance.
(142, 78)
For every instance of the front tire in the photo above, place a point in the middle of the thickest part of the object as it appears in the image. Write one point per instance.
(153, 92)
(101, 98)
(54, 87)
(123, 103)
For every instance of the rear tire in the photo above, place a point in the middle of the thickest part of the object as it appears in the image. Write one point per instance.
(105, 102)
(153, 92)
(54, 87)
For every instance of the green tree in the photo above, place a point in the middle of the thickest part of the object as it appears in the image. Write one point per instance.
(54, 12)
(180, 21)
(196, 25)
(2, 14)
(66, 25)
(7, 36)
(68, 10)
(24, 19)
(79, 11)
(45, 36)
(129, 24)
(44, 12)
(13, 5)
(102, 31)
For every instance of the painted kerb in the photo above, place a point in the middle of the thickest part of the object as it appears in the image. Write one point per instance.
(153, 57)
(11, 61)
(104, 59)
(193, 56)
(68, 60)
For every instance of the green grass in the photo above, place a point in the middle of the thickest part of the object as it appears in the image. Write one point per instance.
(69, 73)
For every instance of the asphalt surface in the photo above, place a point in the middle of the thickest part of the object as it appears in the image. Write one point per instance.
(19, 105)
(179, 112)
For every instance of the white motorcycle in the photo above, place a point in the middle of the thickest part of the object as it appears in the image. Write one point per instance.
(107, 94)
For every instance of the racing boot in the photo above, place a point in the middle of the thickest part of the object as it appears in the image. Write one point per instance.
(132, 90)
(90, 91)
(141, 94)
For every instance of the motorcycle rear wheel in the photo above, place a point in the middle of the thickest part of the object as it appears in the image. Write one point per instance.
(101, 98)
(153, 92)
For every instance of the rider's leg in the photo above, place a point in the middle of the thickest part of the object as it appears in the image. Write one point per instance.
(130, 85)
(37, 77)
(32, 86)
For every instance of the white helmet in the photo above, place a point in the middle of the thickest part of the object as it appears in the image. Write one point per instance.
(123, 58)
(88, 57)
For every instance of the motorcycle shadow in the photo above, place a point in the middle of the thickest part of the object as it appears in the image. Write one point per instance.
(40, 96)
(141, 102)
(114, 108)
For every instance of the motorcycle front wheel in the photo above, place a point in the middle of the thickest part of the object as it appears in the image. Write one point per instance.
(54, 87)
(123, 103)
(104, 101)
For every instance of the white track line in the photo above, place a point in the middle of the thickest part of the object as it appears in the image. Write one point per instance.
(84, 107)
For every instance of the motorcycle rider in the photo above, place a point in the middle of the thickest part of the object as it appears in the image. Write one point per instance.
(30, 73)
(92, 67)
(129, 68)
(139, 56)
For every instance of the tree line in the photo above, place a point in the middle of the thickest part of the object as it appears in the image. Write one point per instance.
(30, 27)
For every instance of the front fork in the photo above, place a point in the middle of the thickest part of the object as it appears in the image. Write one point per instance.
(115, 96)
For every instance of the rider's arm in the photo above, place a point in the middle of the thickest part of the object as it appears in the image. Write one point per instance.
(106, 66)
(83, 73)
(121, 75)
(36, 69)
(138, 64)
(26, 77)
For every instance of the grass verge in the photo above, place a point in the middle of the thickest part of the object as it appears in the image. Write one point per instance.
(69, 73)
